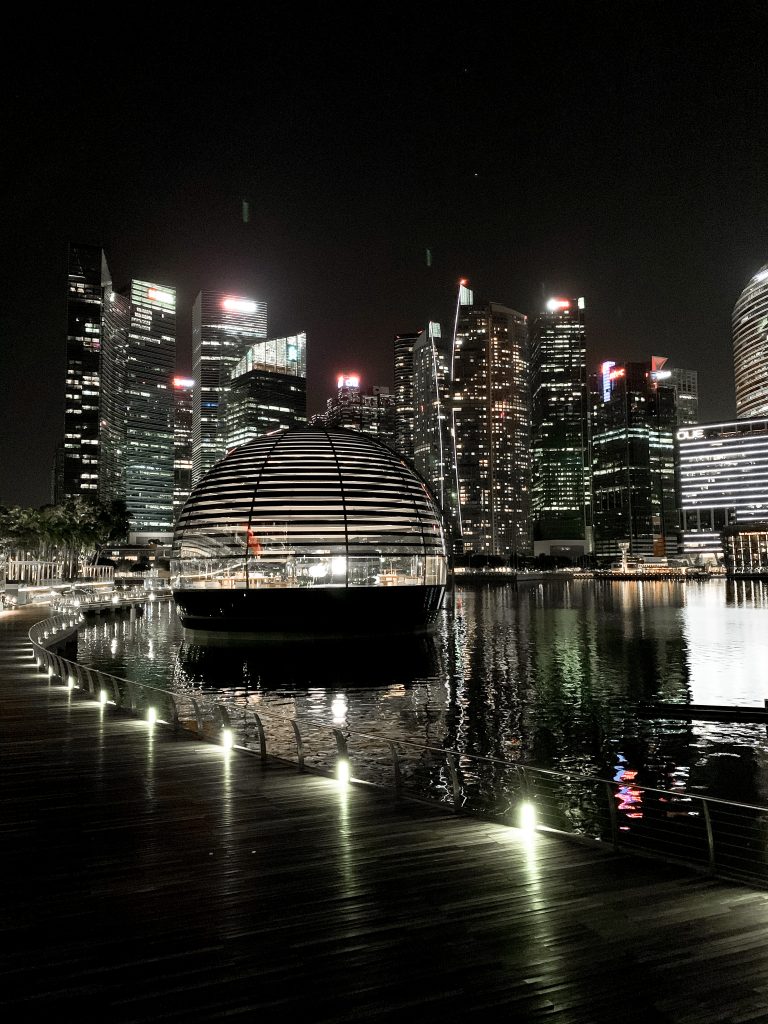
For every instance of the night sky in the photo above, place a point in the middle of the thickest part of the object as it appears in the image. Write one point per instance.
(613, 150)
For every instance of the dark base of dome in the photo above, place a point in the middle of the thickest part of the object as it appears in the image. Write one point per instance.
(312, 611)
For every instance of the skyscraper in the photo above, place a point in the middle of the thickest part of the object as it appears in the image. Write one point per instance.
(87, 274)
(183, 390)
(561, 483)
(150, 366)
(491, 427)
(137, 404)
(224, 327)
(268, 389)
(404, 392)
(431, 414)
(371, 411)
(685, 384)
(750, 347)
(633, 473)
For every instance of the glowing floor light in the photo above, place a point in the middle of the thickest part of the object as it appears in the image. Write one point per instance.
(151, 715)
(102, 697)
(227, 739)
(527, 817)
(342, 771)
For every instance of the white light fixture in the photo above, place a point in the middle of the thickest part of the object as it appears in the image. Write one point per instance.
(227, 739)
(102, 697)
(342, 771)
(151, 715)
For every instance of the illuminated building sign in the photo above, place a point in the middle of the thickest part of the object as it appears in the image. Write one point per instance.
(348, 381)
(555, 304)
(155, 295)
(234, 305)
(605, 369)
(183, 382)
(615, 374)
(689, 435)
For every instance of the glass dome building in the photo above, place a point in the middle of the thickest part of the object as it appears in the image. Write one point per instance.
(310, 530)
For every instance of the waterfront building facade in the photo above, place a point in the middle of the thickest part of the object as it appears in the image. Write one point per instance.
(116, 315)
(561, 476)
(267, 389)
(404, 397)
(491, 428)
(224, 326)
(633, 472)
(722, 482)
(87, 275)
(745, 549)
(183, 389)
(750, 347)
(432, 443)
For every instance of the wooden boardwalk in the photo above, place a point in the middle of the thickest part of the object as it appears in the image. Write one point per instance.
(149, 877)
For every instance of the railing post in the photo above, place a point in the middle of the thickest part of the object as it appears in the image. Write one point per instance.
(613, 815)
(198, 714)
(710, 838)
(396, 766)
(299, 744)
(453, 768)
(262, 737)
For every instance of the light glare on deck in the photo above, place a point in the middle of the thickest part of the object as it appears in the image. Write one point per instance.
(151, 715)
(342, 771)
(102, 697)
(227, 739)
(527, 817)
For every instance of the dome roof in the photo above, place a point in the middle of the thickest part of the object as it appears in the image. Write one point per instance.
(312, 506)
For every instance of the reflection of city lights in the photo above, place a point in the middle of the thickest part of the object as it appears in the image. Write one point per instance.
(339, 708)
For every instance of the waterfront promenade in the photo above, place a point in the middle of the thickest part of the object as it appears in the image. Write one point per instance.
(150, 876)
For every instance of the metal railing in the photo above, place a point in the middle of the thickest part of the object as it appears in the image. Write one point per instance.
(717, 836)
(100, 599)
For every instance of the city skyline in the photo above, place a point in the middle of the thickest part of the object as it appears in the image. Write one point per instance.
(627, 165)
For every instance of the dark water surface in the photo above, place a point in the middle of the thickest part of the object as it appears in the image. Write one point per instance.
(550, 674)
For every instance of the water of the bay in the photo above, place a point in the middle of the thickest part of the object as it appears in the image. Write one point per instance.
(556, 675)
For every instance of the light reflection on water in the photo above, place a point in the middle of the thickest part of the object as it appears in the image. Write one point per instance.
(545, 674)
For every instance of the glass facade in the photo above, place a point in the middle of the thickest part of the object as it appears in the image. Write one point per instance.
(431, 422)
(750, 347)
(183, 389)
(88, 273)
(149, 372)
(112, 423)
(722, 479)
(268, 389)
(224, 327)
(309, 509)
(633, 471)
(561, 483)
(746, 549)
(491, 427)
(404, 398)
(371, 412)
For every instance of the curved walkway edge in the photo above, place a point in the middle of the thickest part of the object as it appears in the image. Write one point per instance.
(150, 877)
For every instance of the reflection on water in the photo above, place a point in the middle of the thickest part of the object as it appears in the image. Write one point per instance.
(545, 674)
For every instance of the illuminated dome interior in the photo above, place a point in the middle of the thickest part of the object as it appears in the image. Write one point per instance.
(309, 509)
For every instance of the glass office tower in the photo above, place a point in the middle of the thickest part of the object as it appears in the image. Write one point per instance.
(722, 480)
(633, 472)
(491, 427)
(404, 344)
(431, 419)
(268, 389)
(149, 373)
(87, 274)
(224, 327)
(561, 482)
(183, 391)
(750, 347)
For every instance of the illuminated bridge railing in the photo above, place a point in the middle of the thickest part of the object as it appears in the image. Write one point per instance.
(717, 836)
